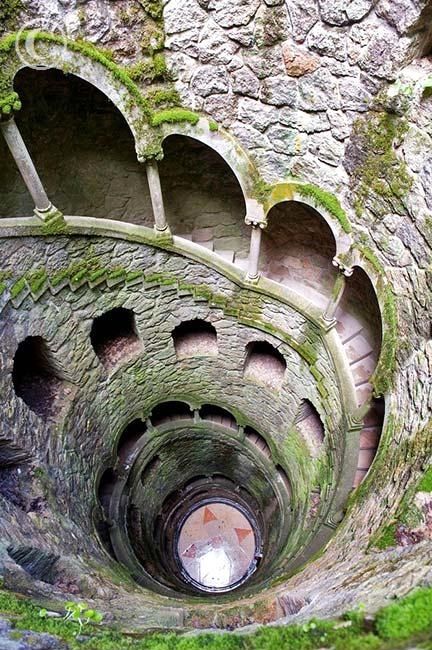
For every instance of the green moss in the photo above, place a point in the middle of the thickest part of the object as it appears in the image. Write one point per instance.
(173, 116)
(18, 287)
(380, 178)
(261, 190)
(96, 275)
(9, 13)
(153, 8)
(407, 618)
(36, 280)
(10, 104)
(385, 538)
(152, 69)
(117, 273)
(213, 126)
(163, 97)
(373, 260)
(326, 200)
(4, 276)
(382, 379)
(425, 484)
(55, 226)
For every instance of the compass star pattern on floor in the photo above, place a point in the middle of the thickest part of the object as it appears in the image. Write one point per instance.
(217, 545)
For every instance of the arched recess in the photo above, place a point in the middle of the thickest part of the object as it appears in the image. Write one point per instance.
(82, 148)
(359, 325)
(297, 250)
(223, 144)
(203, 200)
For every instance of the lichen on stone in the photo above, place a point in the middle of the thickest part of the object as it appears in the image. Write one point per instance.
(379, 177)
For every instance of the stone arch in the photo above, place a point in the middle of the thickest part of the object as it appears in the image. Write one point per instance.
(86, 62)
(83, 149)
(324, 203)
(223, 144)
(298, 247)
(204, 201)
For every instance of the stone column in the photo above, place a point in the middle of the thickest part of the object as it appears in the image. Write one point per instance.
(254, 252)
(337, 293)
(44, 209)
(156, 196)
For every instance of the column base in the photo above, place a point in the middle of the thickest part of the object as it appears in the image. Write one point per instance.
(163, 234)
(328, 324)
(254, 279)
(49, 214)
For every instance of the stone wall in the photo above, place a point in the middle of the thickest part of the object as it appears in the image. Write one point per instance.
(78, 441)
(331, 93)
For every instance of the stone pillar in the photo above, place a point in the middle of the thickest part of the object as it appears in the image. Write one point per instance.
(254, 252)
(337, 293)
(44, 209)
(156, 196)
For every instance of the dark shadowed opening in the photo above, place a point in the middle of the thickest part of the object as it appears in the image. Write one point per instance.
(35, 376)
(114, 336)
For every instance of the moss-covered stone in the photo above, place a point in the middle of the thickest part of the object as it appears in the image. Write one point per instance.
(174, 116)
(408, 619)
(380, 178)
(326, 200)
(382, 379)
(9, 13)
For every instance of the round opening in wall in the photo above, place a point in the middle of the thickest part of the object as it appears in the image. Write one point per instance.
(217, 546)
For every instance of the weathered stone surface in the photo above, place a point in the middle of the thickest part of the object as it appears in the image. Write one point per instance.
(210, 80)
(303, 16)
(326, 41)
(181, 18)
(404, 15)
(213, 46)
(222, 108)
(426, 178)
(257, 114)
(279, 91)
(284, 140)
(333, 13)
(384, 54)
(298, 62)
(327, 149)
(287, 133)
(271, 25)
(229, 13)
(318, 91)
(245, 83)
(269, 66)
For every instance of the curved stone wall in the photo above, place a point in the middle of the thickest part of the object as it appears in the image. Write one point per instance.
(316, 103)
